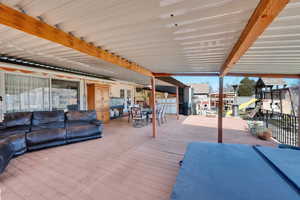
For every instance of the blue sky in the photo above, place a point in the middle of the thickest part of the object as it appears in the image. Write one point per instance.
(214, 81)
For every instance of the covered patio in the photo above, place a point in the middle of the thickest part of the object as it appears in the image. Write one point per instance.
(100, 44)
(153, 40)
(125, 164)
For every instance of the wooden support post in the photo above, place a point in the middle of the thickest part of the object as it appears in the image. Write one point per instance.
(153, 96)
(298, 115)
(177, 102)
(220, 111)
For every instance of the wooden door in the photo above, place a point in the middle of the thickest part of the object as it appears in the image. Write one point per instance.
(105, 103)
(102, 102)
(91, 96)
(98, 99)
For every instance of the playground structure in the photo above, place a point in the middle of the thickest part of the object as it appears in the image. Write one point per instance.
(271, 96)
(274, 96)
(243, 106)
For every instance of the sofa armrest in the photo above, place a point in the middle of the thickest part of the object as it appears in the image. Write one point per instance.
(6, 153)
(2, 126)
(96, 122)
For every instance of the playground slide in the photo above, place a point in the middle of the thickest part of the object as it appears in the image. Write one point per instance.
(242, 106)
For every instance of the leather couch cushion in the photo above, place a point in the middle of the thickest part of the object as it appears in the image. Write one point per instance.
(48, 126)
(2, 126)
(6, 153)
(46, 117)
(14, 129)
(45, 135)
(77, 123)
(46, 145)
(17, 141)
(79, 139)
(83, 131)
(81, 115)
(97, 122)
(17, 119)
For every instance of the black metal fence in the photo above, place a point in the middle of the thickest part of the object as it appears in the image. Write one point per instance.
(284, 127)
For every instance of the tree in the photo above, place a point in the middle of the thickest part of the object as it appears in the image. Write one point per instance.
(247, 87)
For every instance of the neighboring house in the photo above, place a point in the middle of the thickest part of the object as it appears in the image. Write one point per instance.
(274, 95)
(228, 99)
(271, 82)
(200, 98)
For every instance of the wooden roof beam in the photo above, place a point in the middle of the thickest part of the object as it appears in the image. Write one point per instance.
(272, 75)
(18, 20)
(264, 75)
(262, 17)
(185, 74)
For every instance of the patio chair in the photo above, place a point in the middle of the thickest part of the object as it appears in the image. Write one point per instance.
(159, 113)
(130, 113)
(138, 118)
(164, 117)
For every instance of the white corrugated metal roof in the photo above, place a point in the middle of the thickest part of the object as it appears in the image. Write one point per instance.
(277, 50)
(162, 35)
(22, 45)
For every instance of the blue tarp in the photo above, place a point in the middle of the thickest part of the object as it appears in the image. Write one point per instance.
(286, 161)
(213, 171)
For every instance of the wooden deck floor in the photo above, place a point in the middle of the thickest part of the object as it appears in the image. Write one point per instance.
(126, 164)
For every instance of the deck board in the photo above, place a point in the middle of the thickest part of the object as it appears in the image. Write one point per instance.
(127, 163)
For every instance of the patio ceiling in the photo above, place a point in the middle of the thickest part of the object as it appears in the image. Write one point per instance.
(161, 36)
(18, 44)
(277, 50)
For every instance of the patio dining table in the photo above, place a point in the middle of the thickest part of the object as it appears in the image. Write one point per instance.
(147, 110)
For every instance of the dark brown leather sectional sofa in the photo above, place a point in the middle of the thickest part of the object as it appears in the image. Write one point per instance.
(27, 131)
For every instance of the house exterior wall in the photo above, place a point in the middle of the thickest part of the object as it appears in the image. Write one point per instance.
(50, 75)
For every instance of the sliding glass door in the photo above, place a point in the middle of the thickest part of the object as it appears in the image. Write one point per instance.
(26, 93)
(65, 95)
(29, 93)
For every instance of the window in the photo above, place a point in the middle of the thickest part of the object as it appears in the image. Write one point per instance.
(128, 93)
(122, 93)
(26, 93)
(65, 95)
